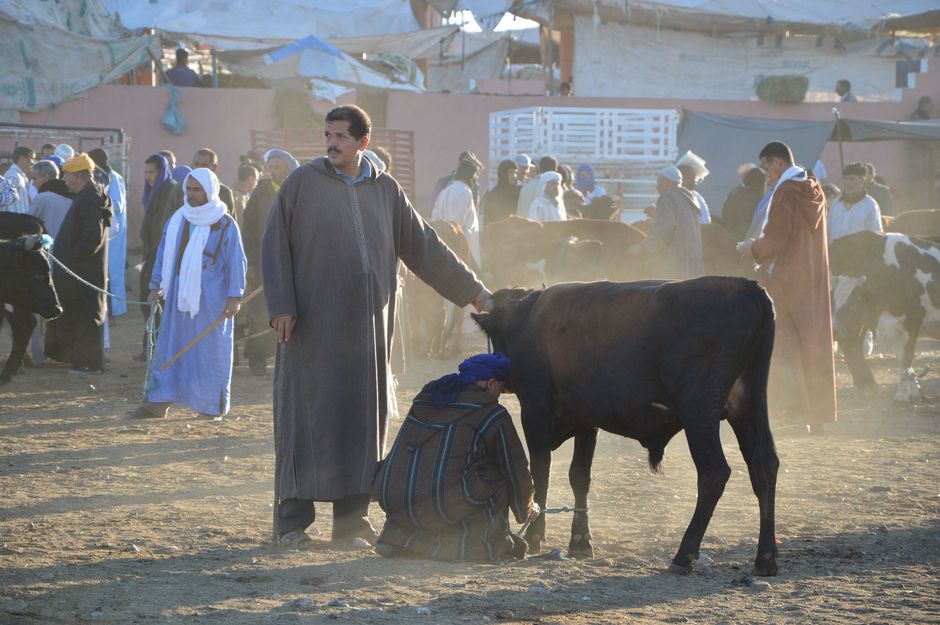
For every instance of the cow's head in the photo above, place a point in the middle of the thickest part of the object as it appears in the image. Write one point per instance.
(505, 316)
(28, 279)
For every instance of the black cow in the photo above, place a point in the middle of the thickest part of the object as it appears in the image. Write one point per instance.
(25, 283)
(890, 284)
(644, 360)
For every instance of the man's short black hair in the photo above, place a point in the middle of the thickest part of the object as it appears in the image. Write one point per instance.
(169, 156)
(21, 152)
(777, 149)
(47, 146)
(548, 163)
(856, 169)
(182, 56)
(247, 171)
(845, 83)
(360, 124)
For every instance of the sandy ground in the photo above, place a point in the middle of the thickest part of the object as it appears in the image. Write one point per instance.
(103, 519)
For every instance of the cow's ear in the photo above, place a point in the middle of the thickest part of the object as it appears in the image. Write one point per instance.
(482, 320)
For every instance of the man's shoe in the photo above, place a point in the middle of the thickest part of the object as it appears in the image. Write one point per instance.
(394, 551)
(297, 539)
(347, 531)
(143, 413)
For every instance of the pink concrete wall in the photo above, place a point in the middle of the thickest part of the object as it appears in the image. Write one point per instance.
(221, 119)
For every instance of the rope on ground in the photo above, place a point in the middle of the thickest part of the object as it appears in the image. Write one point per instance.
(82, 280)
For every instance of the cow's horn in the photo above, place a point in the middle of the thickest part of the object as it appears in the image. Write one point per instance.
(33, 242)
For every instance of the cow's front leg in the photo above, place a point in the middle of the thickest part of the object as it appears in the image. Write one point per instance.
(541, 462)
(579, 476)
(21, 326)
(908, 391)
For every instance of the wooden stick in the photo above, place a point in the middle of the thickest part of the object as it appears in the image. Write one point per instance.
(254, 336)
(205, 332)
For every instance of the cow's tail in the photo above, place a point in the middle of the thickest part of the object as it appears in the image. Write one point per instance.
(753, 405)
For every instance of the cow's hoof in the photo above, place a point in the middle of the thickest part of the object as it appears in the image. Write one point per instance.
(580, 547)
(767, 568)
(680, 569)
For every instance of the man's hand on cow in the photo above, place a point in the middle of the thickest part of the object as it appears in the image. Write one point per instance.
(480, 299)
(283, 327)
(232, 306)
(156, 296)
(534, 512)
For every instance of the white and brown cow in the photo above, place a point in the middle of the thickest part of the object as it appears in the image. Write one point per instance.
(890, 284)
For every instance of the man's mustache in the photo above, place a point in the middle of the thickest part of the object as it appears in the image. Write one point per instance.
(332, 151)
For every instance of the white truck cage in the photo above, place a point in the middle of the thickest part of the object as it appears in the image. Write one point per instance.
(625, 146)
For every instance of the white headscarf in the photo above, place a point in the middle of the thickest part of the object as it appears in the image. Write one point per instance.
(64, 151)
(547, 177)
(202, 217)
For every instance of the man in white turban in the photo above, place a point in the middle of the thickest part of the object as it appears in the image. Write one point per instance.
(550, 204)
(199, 276)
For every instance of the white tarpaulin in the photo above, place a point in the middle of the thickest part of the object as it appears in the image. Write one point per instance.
(311, 58)
(620, 60)
(477, 56)
(268, 19)
(413, 45)
(55, 51)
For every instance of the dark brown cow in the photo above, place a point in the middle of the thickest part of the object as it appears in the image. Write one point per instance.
(720, 253)
(644, 360)
(516, 250)
(923, 224)
(25, 284)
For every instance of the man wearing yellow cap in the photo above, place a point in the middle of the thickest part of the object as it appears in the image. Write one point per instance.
(77, 336)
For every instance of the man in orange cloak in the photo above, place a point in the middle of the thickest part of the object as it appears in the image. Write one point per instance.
(792, 252)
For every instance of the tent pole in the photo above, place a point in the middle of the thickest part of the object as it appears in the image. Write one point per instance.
(838, 117)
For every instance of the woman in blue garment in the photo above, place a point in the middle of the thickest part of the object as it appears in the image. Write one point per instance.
(199, 276)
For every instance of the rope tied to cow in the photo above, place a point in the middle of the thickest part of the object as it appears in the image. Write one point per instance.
(82, 280)
(560, 510)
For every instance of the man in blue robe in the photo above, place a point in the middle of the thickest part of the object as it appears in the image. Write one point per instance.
(199, 276)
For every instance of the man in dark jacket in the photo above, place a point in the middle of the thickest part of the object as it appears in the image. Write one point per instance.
(738, 211)
(77, 336)
(278, 164)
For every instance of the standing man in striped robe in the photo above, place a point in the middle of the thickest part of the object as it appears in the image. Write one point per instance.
(455, 471)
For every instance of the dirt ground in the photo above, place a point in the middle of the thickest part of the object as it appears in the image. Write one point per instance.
(105, 519)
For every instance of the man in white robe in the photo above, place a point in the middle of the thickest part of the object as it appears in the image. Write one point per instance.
(550, 205)
(455, 203)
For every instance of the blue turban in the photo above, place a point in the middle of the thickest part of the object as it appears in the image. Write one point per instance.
(179, 173)
(163, 175)
(52, 158)
(445, 390)
(584, 179)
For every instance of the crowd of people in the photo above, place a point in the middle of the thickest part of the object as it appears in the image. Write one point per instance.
(340, 225)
